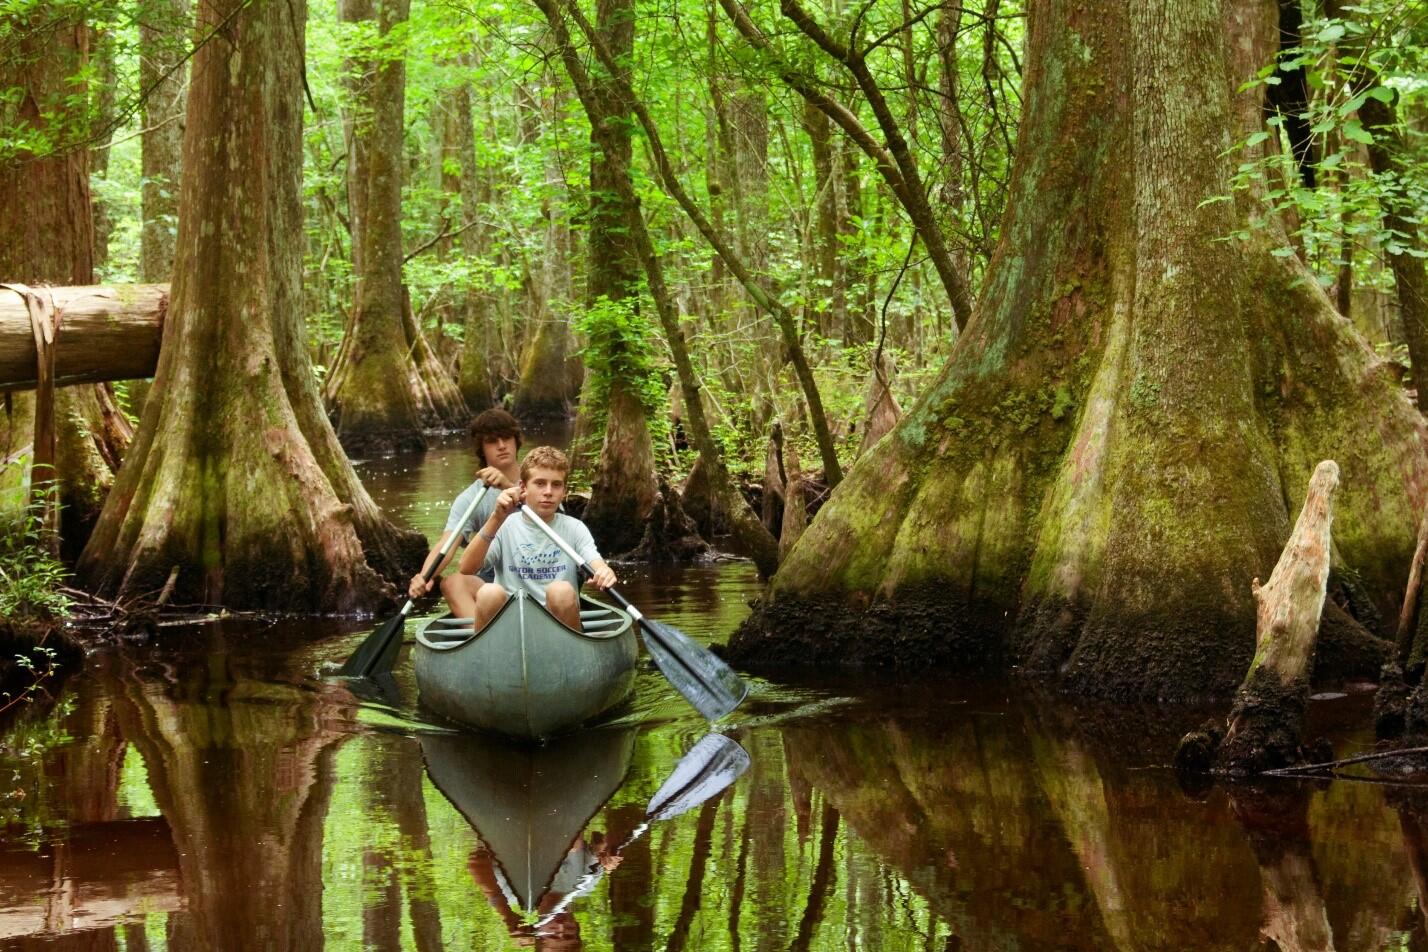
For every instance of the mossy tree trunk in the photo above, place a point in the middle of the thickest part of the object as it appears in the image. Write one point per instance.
(623, 486)
(1109, 456)
(543, 392)
(235, 476)
(387, 384)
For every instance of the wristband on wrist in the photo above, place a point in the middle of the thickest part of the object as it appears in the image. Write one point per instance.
(488, 536)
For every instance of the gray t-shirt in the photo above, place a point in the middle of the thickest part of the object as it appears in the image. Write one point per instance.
(478, 519)
(526, 560)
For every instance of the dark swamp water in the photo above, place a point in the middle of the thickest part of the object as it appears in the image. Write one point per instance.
(212, 791)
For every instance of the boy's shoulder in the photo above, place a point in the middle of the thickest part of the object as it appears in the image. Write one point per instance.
(566, 521)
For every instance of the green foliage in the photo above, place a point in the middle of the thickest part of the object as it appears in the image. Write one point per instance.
(1373, 54)
(500, 232)
(30, 577)
(621, 346)
(28, 745)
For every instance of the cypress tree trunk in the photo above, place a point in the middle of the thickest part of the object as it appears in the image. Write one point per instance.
(543, 391)
(473, 377)
(235, 477)
(387, 383)
(623, 488)
(161, 49)
(1103, 465)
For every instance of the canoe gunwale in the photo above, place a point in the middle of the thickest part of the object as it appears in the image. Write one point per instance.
(451, 644)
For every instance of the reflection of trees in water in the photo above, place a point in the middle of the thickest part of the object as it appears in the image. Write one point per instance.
(1007, 828)
(1013, 828)
(392, 786)
(242, 770)
(1277, 826)
(1022, 829)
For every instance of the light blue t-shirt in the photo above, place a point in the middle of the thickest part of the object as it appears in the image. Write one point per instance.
(478, 519)
(525, 559)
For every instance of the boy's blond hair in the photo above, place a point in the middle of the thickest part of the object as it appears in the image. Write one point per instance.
(546, 457)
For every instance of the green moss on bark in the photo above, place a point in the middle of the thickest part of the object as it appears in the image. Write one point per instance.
(1107, 459)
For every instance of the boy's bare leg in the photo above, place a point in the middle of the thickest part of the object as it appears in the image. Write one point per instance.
(460, 591)
(489, 599)
(562, 601)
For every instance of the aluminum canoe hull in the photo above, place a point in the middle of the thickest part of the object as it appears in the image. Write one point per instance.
(526, 675)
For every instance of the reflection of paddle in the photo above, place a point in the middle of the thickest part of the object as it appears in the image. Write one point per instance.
(696, 672)
(378, 654)
(702, 774)
(710, 766)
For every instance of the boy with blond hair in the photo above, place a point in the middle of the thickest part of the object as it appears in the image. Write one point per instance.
(522, 556)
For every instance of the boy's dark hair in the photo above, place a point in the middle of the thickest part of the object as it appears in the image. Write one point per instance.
(492, 424)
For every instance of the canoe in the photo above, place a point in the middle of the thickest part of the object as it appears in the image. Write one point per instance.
(525, 674)
(527, 803)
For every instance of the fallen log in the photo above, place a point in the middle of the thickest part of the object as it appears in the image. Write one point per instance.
(106, 332)
(1265, 726)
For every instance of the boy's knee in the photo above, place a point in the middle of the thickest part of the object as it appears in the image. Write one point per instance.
(490, 595)
(561, 592)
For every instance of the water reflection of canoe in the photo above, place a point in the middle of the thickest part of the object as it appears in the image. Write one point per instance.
(527, 803)
(525, 674)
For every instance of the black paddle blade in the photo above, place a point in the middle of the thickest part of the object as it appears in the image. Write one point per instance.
(706, 682)
(709, 767)
(377, 654)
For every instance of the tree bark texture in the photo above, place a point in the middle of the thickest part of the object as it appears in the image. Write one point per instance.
(47, 231)
(1267, 722)
(162, 46)
(623, 489)
(880, 408)
(235, 476)
(1105, 461)
(388, 383)
(106, 333)
(543, 392)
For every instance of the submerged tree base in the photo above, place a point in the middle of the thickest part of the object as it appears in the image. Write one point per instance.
(925, 626)
(670, 536)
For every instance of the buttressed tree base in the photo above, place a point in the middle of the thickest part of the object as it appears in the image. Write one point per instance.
(1116, 446)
